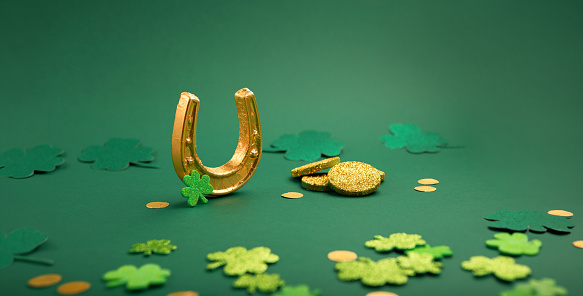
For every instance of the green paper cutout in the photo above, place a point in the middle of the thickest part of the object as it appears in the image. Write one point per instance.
(544, 287)
(514, 244)
(529, 220)
(420, 263)
(238, 260)
(299, 290)
(401, 241)
(309, 145)
(136, 278)
(410, 136)
(117, 154)
(197, 188)
(503, 267)
(437, 252)
(162, 246)
(371, 273)
(266, 283)
(21, 241)
(17, 164)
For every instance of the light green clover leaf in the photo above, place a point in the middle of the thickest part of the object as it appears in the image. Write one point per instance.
(410, 136)
(371, 273)
(529, 220)
(299, 290)
(420, 263)
(514, 244)
(544, 287)
(162, 246)
(117, 154)
(197, 187)
(309, 145)
(437, 252)
(401, 241)
(136, 278)
(503, 267)
(238, 260)
(266, 283)
(16, 163)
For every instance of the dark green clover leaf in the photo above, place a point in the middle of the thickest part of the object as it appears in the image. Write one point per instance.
(309, 145)
(16, 163)
(371, 273)
(18, 242)
(410, 136)
(529, 220)
(197, 187)
(238, 260)
(266, 283)
(162, 246)
(117, 154)
(503, 267)
(299, 290)
(437, 252)
(514, 244)
(544, 287)
(136, 278)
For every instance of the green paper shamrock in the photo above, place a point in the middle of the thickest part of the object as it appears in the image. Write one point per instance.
(401, 241)
(529, 220)
(373, 273)
(136, 278)
(544, 287)
(21, 241)
(162, 246)
(410, 136)
(420, 263)
(266, 283)
(437, 252)
(117, 154)
(16, 163)
(299, 290)
(514, 244)
(309, 145)
(238, 260)
(503, 267)
(197, 188)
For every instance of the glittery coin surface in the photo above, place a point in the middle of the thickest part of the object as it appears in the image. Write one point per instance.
(45, 280)
(72, 288)
(381, 293)
(578, 244)
(342, 255)
(292, 195)
(157, 205)
(316, 182)
(561, 213)
(382, 175)
(353, 178)
(428, 181)
(425, 188)
(183, 293)
(315, 167)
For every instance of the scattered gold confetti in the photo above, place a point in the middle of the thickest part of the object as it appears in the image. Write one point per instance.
(428, 181)
(578, 244)
(316, 182)
(381, 293)
(45, 280)
(561, 213)
(292, 195)
(315, 167)
(183, 293)
(425, 188)
(342, 255)
(354, 178)
(157, 205)
(72, 288)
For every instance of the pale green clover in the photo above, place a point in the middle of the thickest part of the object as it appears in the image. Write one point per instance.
(523, 220)
(16, 163)
(238, 260)
(410, 136)
(309, 145)
(117, 154)
(401, 241)
(503, 267)
(544, 287)
(420, 263)
(371, 273)
(299, 290)
(197, 187)
(437, 252)
(266, 283)
(136, 278)
(162, 246)
(514, 244)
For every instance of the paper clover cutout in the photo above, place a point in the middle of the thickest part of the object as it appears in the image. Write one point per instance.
(266, 283)
(162, 246)
(371, 273)
(309, 145)
(529, 220)
(18, 242)
(117, 154)
(420, 263)
(16, 163)
(410, 136)
(437, 252)
(197, 187)
(238, 260)
(544, 287)
(299, 290)
(503, 267)
(514, 244)
(401, 241)
(136, 278)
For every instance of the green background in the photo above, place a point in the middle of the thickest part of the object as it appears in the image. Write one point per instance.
(502, 78)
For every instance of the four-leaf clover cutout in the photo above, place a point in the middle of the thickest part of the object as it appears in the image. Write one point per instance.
(544, 287)
(371, 273)
(437, 252)
(410, 136)
(299, 290)
(197, 188)
(529, 220)
(514, 244)
(117, 154)
(503, 267)
(162, 246)
(18, 242)
(309, 145)
(401, 241)
(136, 278)
(266, 283)
(238, 260)
(16, 163)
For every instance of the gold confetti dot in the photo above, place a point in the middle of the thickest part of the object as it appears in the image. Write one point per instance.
(381, 293)
(183, 293)
(292, 195)
(315, 167)
(354, 178)
(561, 213)
(425, 188)
(316, 182)
(342, 255)
(44, 280)
(428, 181)
(578, 244)
(72, 288)
(157, 205)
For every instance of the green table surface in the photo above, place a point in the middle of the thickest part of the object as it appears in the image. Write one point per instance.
(501, 78)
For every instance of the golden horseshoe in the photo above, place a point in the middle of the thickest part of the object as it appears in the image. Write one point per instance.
(237, 171)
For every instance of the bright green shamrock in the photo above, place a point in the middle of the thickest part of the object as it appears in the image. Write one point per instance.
(117, 154)
(514, 244)
(401, 241)
(266, 283)
(16, 163)
(529, 220)
(544, 287)
(420, 263)
(238, 260)
(162, 246)
(299, 290)
(309, 145)
(371, 273)
(410, 136)
(503, 267)
(18, 242)
(136, 278)
(437, 252)
(197, 187)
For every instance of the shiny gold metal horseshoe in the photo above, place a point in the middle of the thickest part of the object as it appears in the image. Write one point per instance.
(237, 171)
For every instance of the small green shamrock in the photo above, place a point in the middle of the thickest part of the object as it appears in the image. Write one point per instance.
(18, 242)
(420, 263)
(437, 252)
(16, 163)
(299, 290)
(238, 260)
(136, 278)
(371, 273)
(309, 145)
(503, 267)
(544, 287)
(529, 220)
(266, 283)
(117, 154)
(401, 241)
(514, 244)
(162, 246)
(410, 136)
(197, 187)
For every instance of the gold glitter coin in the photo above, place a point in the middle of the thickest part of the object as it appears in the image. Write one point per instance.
(157, 205)
(578, 244)
(342, 255)
(560, 213)
(316, 182)
(315, 167)
(72, 288)
(382, 174)
(428, 181)
(292, 195)
(425, 188)
(183, 293)
(44, 280)
(353, 178)
(381, 293)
